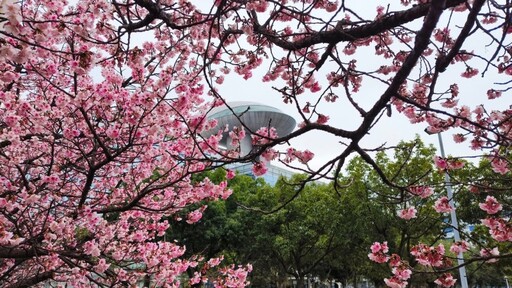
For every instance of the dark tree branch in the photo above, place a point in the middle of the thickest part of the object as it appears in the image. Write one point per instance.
(347, 35)
(19, 253)
(28, 282)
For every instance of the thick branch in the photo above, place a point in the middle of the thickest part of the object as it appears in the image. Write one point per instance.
(29, 282)
(19, 253)
(342, 35)
(156, 12)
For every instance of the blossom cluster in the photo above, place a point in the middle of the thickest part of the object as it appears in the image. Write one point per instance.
(425, 255)
(379, 252)
(429, 256)
(401, 273)
(499, 228)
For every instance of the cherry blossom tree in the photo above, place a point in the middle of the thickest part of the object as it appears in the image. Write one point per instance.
(103, 105)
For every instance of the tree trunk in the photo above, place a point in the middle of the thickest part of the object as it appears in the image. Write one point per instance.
(300, 281)
(147, 281)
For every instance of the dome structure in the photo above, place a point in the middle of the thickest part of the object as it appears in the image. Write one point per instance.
(254, 116)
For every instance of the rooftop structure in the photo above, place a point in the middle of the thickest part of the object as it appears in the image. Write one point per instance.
(253, 116)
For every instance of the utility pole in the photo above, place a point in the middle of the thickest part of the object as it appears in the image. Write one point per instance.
(453, 215)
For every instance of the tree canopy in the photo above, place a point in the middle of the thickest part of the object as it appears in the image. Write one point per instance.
(324, 233)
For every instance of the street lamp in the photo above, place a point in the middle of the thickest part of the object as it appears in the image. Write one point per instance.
(453, 215)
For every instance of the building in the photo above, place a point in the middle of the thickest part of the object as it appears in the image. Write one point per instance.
(254, 116)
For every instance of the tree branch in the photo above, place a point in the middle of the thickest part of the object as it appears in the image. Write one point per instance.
(443, 62)
(343, 35)
(28, 282)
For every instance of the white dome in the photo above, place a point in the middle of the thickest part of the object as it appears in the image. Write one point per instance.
(253, 115)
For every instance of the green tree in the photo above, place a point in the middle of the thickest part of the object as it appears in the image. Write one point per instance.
(378, 204)
(324, 230)
(228, 229)
(472, 185)
(307, 227)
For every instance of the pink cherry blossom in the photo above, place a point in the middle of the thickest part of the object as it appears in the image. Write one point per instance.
(91, 248)
(270, 154)
(264, 135)
(102, 266)
(379, 247)
(442, 205)
(491, 205)
(395, 282)
(421, 191)
(459, 138)
(215, 261)
(454, 164)
(490, 18)
(493, 94)
(489, 253)
(470, 72)
(378, 252)
(440, 163)
(259, 168)
(450, 103)
(230, 174)
(395, 260)
(305, 156)
(500, 166)
(446, 280)
(402, 272)
(499, 228)
(429, 256)
(407, 213)
(349, 49)
(459, 247)
(322, 119)
(378, 257)
(331, 6)
(196, 215)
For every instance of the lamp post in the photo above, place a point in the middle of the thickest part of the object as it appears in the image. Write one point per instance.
(453, 215)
